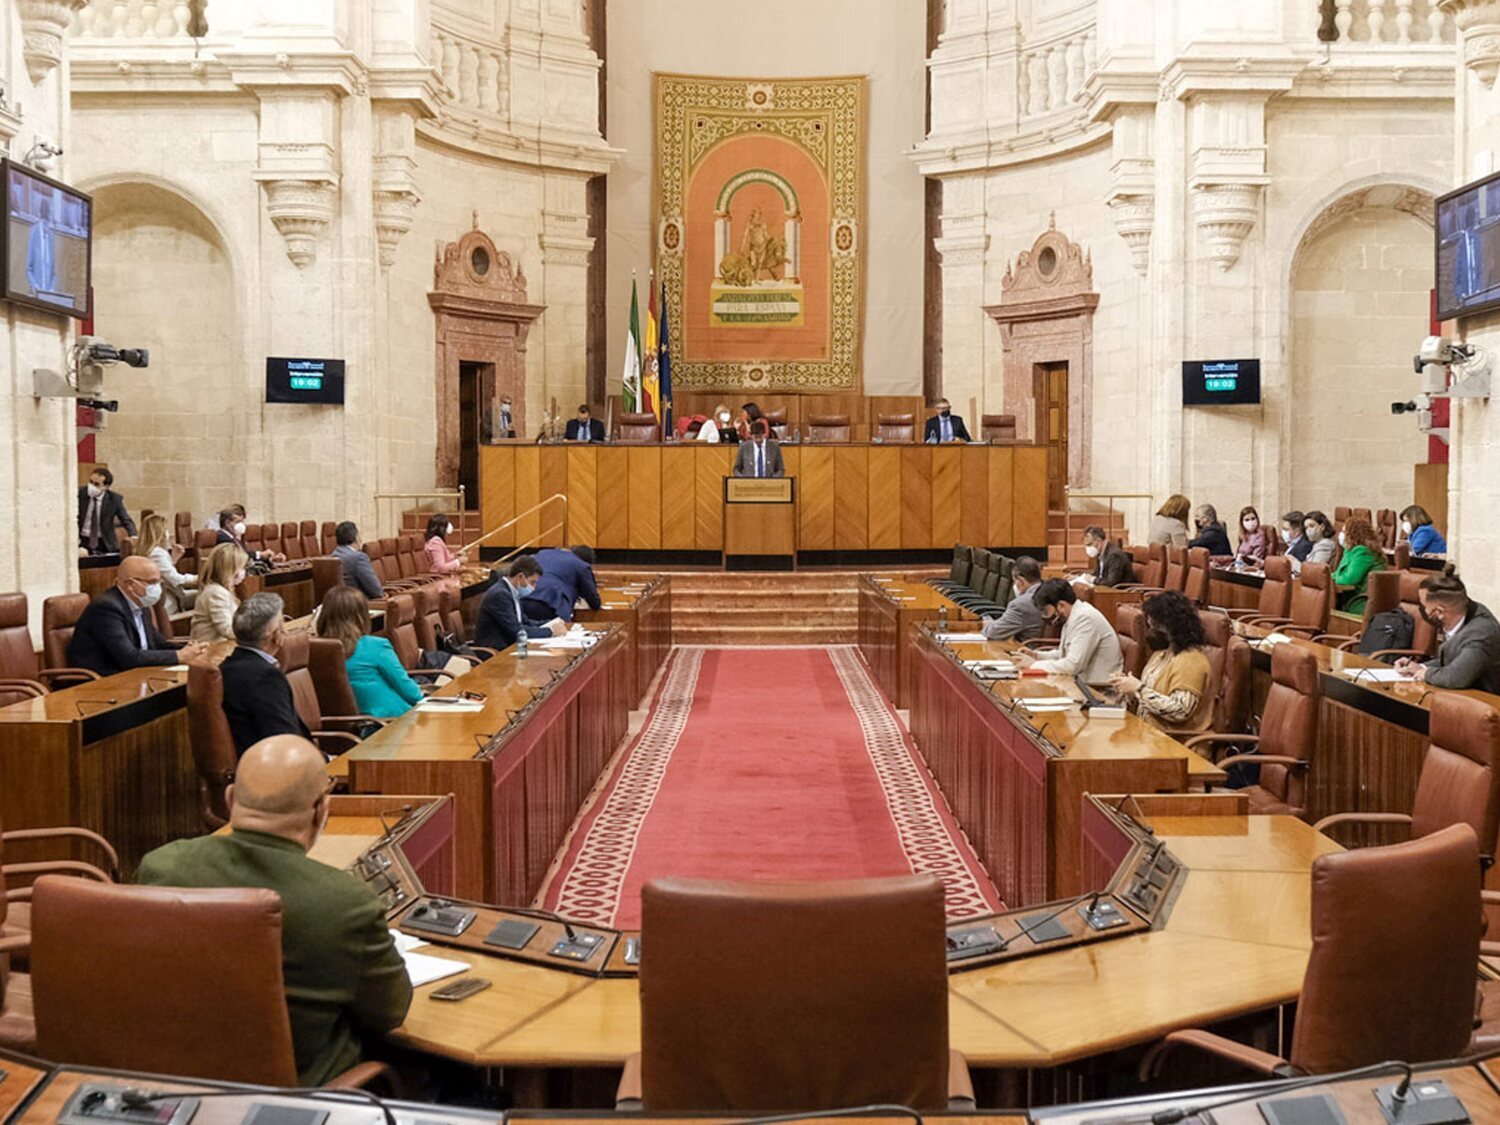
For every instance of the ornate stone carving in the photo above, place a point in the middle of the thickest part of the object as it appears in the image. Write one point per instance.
(1135, 215)
(43, 23)
(396, 199)
(1478, 22)
(1225, 214)
(301, 210)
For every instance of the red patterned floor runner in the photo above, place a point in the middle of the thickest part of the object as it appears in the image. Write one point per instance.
(763, 764)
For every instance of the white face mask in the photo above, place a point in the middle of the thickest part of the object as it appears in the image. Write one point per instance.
(724, 418)
(1406, 526)
(1092, 551)
(1291, 533)
(1341, 539)
(1251, 525)
(95, 491)
(1314, 533)
(448, 529)
(238, 578)
(239, 529)
(151, 596)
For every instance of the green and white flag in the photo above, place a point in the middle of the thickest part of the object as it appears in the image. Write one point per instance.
(630, 379)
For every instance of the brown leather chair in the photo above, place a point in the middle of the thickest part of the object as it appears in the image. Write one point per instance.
(1130, 627)
(327, 536)
(1362, 514)
(326, 574)
(1385, 528)
(776, 419)
(725, 962)
(330, 680)
(1460, 778)
(1311, 603)
(1195, 583)
(401, 630)
(1275, 597)
(1287, 738)
(997, 427)
(270, 535)
(828, 427)
(639, 427)
(1340, 517)
(210, 1006)
(896, 427)
(253, 538)
(1153, 571)
(60, 614)
(19, 669)
(1393, 589)
(214, 755)
(1229, 664)
(291, 541)
(1395, 941)
(293, 659)
(312, 547)
(450, 602)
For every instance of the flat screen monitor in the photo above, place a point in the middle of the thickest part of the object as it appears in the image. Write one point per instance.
(1467, 231)
(1220, 382)
(48, 242)
(317, 381)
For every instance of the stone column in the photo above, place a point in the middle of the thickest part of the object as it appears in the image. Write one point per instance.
(961, 247)
(561, 336)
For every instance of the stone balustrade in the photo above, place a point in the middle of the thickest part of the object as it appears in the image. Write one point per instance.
(1052, 72)
(1376, 23)
(473, 72)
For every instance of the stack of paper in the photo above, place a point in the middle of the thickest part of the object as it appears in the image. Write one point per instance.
(421, 968)
(960, 638)
(437, 704)
(1048, 703)
(1378, 675)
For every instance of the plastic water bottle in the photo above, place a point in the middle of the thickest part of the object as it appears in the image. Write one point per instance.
(942, 620)
(521, 642)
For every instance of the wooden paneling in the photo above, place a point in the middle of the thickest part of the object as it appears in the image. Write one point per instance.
(552, 479)
(583, 495)
(528, 492)
(1029, 500)
(497, 486)
(711, 463)
(614, 507)
(947, 467)
(815, 498)
(916, 497)
(851, 501)
(644, 497)
(679, 483)
(884, 491)
(973, 495)
(1001, 492)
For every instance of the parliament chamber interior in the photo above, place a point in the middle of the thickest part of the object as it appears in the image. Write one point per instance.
(630, 560)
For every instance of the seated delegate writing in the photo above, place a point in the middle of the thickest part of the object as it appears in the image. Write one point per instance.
(380, 684)
(1211, 533)
(1112, 565)
(585, 427)
(1169, 525)
(1175, 689)
(440, 557)
(1088, 645)
(178, 590)
(344, 978)
(501, 619)
(213, 613)
(257, 697)
(945, 425)
(1021, 619)
(1363, 555)
(1421, 536)
(1469, 653)
(100, 512)
(116, 631)
(358, 570)
(567, 575)
(761, 455)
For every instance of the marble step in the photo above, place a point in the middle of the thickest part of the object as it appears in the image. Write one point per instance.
(752, 633)
(790, 600)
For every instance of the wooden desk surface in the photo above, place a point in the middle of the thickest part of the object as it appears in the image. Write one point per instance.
(908, 594)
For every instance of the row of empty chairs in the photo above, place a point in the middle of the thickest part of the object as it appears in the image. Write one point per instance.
(828, 427)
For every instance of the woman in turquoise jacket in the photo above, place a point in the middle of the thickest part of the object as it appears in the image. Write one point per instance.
(380, 684)
(1362, 555)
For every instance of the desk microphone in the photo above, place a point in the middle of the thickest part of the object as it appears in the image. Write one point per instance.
(1119, 808)
(546, 916)
(1182, 1113)
(1041, 732)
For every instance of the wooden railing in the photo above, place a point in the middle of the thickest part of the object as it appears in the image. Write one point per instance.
(432, 494)
(532, 542)
(537, 507)
(1088, 517)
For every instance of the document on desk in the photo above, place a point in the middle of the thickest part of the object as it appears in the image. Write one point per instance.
(1378, 675)
(421, 968)
(1048, 703)
(450, 704)
(959, 638)
(567, 640)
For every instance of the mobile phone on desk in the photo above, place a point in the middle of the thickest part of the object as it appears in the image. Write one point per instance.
(460, 989)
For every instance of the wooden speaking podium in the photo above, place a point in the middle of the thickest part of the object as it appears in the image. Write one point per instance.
(760, 522)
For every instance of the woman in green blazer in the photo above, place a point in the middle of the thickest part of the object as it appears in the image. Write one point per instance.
(1363, 554)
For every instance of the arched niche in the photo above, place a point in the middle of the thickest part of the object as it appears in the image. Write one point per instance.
(481, 317)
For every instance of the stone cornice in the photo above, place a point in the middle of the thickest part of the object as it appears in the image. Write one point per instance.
(262, 71)
(1428, 74)
(955, 154)
(582, 154)
(457, 305)
(1233, 73)
(1117, 83)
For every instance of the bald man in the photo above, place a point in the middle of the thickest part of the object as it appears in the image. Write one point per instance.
(343, 975)
(116, 631)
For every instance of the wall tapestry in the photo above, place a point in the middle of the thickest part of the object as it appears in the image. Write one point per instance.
(759, 196)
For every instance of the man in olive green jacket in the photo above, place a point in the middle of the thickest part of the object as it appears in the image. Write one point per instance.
(343, 974)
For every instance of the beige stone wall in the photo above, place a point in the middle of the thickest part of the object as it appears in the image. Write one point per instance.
(880, 39)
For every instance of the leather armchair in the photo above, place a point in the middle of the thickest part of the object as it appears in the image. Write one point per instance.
(312, 547)
(639, 427)
(1130, 627)
(896, 427)
(291, 541)
(214, 755)
(208, 1004)
(872, 1021)
(828, 427)
(997, 427)
(1391, 971)
(60, 614)
(958, 569)
(1385, 528)
(776, 419)
(1340, 517)
(1288, 734)
(401, 631)
(328, 537)
(326, 574)
(1311, 604)
(1394, 589)
(1152, 570)
(204, 541)
(329, 739)
(1195, 583)
(1275, 597)
(1229, 664)
(1460, 778)
(1174, 574)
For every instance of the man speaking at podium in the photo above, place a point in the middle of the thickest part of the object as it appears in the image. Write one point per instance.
(761, 455)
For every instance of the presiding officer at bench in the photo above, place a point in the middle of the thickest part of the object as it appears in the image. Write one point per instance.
(761, 455)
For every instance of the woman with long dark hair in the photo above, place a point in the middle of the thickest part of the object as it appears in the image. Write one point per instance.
(1175, 690)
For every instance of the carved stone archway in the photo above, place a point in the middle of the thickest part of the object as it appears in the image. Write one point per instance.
(480, 316)
(1046, 315)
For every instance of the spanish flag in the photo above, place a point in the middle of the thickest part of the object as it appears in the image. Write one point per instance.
(651, 398)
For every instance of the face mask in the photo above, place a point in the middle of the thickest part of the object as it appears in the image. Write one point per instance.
(239, 529)
(1427, 616)
(1157, 638)
(238, 578)
(1092, 551)
(1314, 533)
(1341, 539)
(1290, 533)
(724, 418)
(1405, 526)
(448, 529)
(95, 491)
(1251, 525)
(944, 413)
(151, 596)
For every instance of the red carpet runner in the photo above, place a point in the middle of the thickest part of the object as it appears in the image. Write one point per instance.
(763, 764)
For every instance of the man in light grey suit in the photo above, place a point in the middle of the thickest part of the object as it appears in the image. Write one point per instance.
(1469, 651)
(1022, 620)
(359, 571)
(761, 455)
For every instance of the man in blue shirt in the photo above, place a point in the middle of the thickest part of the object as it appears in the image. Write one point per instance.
(566, 577)
(501, 619)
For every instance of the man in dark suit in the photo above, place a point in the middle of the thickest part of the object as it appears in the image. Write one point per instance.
(566, 577)
(501, 619)
(945, 426)
(585, 427)
(1469, 648)
(100, 511)
(257, 697)
(116, 631)
(761, 455)
(1112, 565)
(358, 570)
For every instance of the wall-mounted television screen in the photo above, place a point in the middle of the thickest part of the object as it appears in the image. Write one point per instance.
(1467, 229)
(48, 242)
(1220, 382)
(317, 381)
